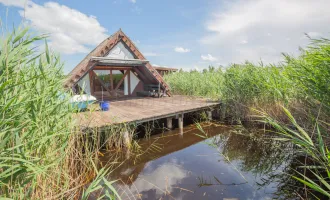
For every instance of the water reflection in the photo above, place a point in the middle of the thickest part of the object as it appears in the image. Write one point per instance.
(226, 164)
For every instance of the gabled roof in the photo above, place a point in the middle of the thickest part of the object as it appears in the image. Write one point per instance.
(102, 49)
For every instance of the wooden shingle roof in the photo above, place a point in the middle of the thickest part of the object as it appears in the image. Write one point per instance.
(102, 49)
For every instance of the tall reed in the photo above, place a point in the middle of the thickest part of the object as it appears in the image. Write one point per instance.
(39, 158)
(207, 83)
(312, 143)
(300, 84)
(237, 87)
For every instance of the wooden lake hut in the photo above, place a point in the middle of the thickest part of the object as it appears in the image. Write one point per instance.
(116, 69)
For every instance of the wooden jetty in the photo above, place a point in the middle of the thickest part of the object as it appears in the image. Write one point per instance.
(139, 110)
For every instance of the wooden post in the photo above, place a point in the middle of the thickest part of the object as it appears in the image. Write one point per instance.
(127, 144)
(129, 82)
(169, 124)
(180, 123)
(126, 138)
(91, 82)
(209, 115)
(111, 81)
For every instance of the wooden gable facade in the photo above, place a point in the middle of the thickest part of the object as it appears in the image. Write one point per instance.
(114, 69)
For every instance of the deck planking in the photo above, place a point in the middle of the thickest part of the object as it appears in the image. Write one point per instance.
(141, 110)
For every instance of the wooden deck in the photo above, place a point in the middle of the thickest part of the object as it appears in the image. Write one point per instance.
(142, 110)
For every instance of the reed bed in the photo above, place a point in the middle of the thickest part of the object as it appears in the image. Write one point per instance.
(293, 97)
(236, 87)
(42, 154)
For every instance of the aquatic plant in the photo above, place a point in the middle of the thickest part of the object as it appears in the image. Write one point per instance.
(238, 87)
(301, 84)
(310, 72)
(313, 144)
(39, 156)
(206, 84)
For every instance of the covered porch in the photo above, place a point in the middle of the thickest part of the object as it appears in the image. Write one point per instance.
(114, 79)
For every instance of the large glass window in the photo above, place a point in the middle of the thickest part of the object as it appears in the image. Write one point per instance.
(104, 76)
(112, 82)
(117, 76)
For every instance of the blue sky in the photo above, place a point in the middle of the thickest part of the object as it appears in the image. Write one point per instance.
(188, 34)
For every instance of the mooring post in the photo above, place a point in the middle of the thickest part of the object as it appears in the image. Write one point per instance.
(169, 124)
(127, 143)
(180, 122)
(209, 114)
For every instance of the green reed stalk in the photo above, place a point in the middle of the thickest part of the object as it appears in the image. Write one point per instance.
(37, 138)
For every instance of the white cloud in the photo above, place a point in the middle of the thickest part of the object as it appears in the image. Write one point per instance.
(209, 57)
(181, 50)
(314, 34)
(164, 177)
(266, 26)
(17, 3)
(133, 1)
(244, 42)
(70, 30)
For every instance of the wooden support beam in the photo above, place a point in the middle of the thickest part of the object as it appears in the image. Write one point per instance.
(111, 81)
(140, 73)
(129, 82)
(91, 81)
(105, 87)
(180, 123)
(169, 123)
(111, 68)
(121, 80)
(209, 114)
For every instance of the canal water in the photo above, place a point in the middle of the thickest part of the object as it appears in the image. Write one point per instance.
(220, 162)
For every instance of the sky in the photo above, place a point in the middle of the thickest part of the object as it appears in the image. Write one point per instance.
(187, 34)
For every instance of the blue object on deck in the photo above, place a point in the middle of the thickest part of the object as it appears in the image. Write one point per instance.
(81, 106)
(105, 105)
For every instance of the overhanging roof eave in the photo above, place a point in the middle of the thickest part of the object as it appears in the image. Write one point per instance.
(119, 64)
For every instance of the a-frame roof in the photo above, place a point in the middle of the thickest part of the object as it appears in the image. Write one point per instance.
(102, 49)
